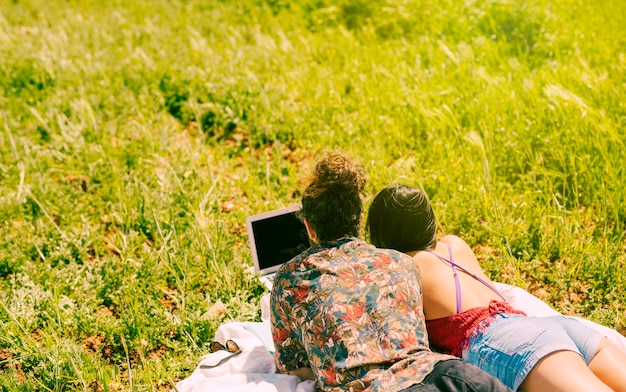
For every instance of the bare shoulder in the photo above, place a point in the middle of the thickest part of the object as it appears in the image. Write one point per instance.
(453, 241)
(459, 246)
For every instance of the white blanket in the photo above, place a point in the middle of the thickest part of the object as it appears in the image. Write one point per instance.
(254, 370)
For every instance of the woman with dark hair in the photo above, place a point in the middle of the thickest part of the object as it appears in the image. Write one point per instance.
(467, 317)
(349, 315)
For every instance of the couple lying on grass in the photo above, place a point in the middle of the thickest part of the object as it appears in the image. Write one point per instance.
(359, 317)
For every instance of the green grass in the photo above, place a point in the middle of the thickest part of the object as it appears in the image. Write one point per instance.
(135, 137)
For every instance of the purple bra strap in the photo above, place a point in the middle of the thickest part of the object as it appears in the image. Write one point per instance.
(456, 278)
(457, 285)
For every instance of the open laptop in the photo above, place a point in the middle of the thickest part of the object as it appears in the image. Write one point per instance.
(275, 237)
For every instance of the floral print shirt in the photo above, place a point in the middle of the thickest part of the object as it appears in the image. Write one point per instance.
(353, 314)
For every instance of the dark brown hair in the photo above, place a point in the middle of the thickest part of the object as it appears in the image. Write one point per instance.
(331, 201)
(401, 218)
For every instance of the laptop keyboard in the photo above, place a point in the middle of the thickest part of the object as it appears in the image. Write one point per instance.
(268, 280)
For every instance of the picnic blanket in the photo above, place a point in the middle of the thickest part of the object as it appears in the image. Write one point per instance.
(254, 370)
(251, 370)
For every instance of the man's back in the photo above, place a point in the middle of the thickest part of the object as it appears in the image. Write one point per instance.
(353, 313)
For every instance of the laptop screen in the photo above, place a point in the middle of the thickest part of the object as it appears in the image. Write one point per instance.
(275, 238)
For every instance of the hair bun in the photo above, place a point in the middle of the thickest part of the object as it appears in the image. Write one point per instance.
(336, 172)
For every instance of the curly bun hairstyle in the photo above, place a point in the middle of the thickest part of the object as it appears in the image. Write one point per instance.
(332, 200)
(401, 218)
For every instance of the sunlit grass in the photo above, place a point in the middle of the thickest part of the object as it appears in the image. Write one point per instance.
(135, 137)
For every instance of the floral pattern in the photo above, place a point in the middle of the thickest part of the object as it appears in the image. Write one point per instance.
(353, 314)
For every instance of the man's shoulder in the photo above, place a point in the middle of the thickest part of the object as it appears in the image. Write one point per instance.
(385, 251)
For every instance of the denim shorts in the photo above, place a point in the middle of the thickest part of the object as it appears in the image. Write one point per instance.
(511, 345)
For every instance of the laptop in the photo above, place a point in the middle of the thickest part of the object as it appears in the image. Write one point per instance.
(275, 237)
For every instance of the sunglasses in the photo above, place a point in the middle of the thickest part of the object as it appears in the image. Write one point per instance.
(230, 346)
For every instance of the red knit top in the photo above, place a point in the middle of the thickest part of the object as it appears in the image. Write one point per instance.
(450, 335)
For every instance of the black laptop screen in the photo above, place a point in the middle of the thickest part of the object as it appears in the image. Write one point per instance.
(278, 239)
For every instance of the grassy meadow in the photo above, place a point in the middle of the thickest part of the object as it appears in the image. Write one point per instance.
(136, 136)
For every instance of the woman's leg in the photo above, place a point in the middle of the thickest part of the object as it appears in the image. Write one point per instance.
(562, 371)
(609, 365)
